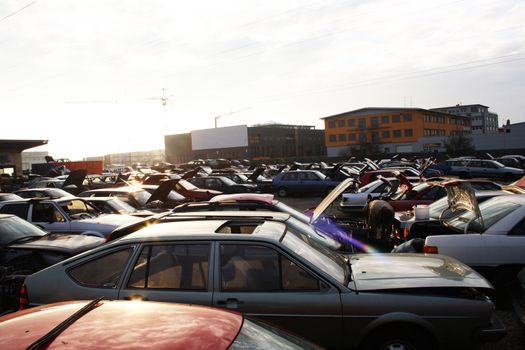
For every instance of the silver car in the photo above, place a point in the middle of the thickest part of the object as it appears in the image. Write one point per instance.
(269, 272)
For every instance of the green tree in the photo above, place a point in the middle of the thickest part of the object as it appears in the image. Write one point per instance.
(459, 145)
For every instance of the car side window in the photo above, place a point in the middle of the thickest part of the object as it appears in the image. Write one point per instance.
(174, 266)
(46, 212)
(519, 229)
(102, 272)
(432, 193)
(253, 268)
(290, 177)
(19, 210)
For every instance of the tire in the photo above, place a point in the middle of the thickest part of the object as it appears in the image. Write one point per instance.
(398, 338)
(282, 192)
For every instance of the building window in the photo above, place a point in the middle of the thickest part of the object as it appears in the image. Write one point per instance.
(407, 117)
(342, 137)
(331, 124)
(341, 123)
(332, 138)
(426, 118)
(362, 123)
(387, 150)
(397, 133)
(385, 119)
(396, 119)
(408, 133)
(375, 136)
(351, 122)
(362, 137)
(373, 122)
(351, 137)
(386, 134)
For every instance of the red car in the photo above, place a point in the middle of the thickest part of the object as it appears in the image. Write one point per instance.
(429, 192)
(138, 325)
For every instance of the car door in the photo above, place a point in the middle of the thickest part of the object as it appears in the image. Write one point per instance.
(172, 272)
(311, 182)
(261, 281)
(47, 216)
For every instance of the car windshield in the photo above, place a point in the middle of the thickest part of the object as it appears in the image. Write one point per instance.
(436, 208)
(255, 334)
(330, 262)
(187, 185)
(313, 233)
(77, 209)
(141, 197)
(228, 181)
(13, 228)
(121, 206)
(491, 210)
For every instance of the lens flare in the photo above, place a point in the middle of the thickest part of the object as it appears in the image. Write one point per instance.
(336, 232)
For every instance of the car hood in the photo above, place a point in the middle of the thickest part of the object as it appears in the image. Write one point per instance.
(330, 198)
(113, 219)
(401, 271)
(461, 196)
(64, 243)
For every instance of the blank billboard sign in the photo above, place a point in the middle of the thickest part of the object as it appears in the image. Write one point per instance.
(230, 136)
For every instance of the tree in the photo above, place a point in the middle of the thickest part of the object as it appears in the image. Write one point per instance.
(459, 145)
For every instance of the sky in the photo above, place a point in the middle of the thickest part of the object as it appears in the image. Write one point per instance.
(91, 76)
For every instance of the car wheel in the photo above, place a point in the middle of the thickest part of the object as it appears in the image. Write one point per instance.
(282, 192)
(398, 338)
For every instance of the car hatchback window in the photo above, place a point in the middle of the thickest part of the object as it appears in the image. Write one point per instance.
(174, 266)
(103, 272)
(261, 269)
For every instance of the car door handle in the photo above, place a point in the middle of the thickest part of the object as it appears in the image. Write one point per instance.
(230, 303)
(135, 297)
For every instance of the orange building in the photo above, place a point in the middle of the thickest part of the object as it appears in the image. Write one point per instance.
(394, 130)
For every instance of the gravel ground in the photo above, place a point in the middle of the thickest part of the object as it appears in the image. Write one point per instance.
(515, 338)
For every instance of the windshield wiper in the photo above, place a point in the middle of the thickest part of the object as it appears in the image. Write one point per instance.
(52, 334)
(23, 239)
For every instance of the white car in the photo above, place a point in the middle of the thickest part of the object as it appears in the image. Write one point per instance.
(489, 237)
(67, 215)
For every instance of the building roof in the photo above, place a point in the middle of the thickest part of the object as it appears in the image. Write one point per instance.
(378, 110)
(20, 145)
(459, 105)
(281, 126)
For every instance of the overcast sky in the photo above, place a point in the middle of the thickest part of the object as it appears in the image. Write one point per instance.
(88, 75)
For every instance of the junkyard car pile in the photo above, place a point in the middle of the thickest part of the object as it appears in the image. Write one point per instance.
(172, 236)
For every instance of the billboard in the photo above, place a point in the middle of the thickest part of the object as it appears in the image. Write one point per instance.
(230, 136)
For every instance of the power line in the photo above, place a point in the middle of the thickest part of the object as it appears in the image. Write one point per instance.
(17, 11)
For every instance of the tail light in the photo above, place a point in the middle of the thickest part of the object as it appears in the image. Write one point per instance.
(24, 299)
(430, 249)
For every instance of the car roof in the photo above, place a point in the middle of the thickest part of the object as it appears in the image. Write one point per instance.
(153, 322)
(274, 215)
(203, 229)
(236, 197)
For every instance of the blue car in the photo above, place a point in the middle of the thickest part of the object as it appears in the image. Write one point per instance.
(303, 181)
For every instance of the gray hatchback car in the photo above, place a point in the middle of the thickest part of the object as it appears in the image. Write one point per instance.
(360, 301)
